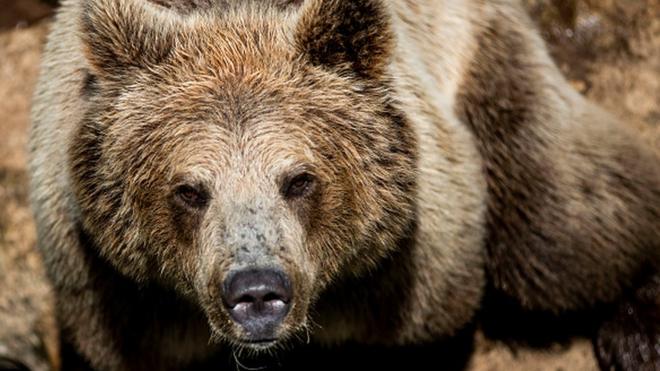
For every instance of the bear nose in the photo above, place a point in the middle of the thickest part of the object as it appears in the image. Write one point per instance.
(258, 299)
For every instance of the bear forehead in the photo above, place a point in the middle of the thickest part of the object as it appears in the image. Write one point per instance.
(237, 97)
(237, 37)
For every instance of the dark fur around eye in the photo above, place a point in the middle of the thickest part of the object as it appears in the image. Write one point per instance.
(299, 186)
(191, 197)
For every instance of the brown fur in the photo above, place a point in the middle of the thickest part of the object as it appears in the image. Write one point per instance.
(28, 329)
(429, 158)
(603, 178)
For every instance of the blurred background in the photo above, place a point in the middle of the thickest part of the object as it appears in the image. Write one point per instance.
(608, 49)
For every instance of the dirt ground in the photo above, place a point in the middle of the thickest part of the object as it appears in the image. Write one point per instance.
(609, 50)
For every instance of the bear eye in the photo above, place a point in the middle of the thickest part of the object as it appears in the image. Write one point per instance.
(191, 196)
(299, 186)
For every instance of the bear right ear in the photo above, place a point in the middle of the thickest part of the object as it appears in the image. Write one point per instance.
(119, 34)
(354, 34)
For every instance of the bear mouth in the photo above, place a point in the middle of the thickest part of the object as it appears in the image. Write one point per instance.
(258, 344)
(261, 341)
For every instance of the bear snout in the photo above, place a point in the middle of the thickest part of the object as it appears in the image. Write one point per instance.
(258, 299)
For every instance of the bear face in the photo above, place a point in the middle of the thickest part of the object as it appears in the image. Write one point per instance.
(246, 167)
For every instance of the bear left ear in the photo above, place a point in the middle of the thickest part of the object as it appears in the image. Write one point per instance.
(119, 34)
(353, 34)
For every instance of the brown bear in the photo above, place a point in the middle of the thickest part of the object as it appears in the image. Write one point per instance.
(240, 174)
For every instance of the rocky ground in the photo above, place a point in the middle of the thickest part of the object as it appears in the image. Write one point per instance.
(609, 49)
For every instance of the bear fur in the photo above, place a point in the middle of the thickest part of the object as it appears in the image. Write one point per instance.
(28, 327)
(443, 158)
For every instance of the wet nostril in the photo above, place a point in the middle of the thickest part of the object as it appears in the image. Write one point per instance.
(271, 296)
(246, 299)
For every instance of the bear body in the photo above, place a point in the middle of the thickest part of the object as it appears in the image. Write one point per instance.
(409, 156)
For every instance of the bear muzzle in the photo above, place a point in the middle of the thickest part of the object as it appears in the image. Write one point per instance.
(258, 299)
